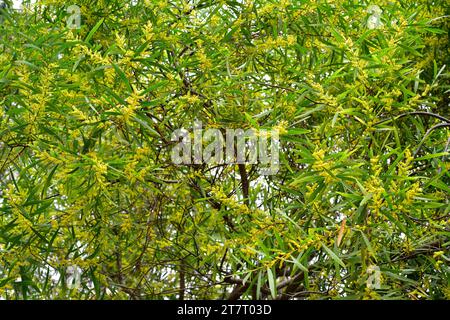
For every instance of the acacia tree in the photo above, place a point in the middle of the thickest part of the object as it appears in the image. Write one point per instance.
(92, 207)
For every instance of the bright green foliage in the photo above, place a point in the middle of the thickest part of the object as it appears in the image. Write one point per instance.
(87, 184)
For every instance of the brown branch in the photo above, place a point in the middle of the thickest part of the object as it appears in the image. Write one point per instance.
(421, 113)
(182, 281)
(244, 182)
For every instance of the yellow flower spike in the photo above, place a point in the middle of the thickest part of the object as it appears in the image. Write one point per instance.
(148, 31)
(204, 61)
(281, 127)
(438, 254)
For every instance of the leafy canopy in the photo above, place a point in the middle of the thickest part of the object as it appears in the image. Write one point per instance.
(91, 205)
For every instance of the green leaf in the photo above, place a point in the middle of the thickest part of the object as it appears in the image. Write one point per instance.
(333, 256)
(432, 156)
(272, 282)
(94, 30)
(123, 77)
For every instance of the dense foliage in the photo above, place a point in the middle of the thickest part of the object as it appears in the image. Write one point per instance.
(92, 207)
